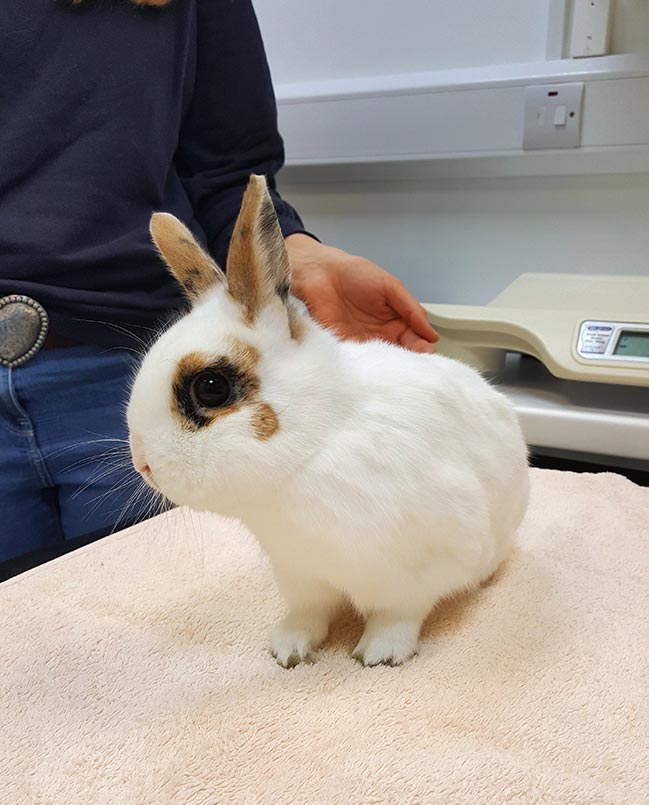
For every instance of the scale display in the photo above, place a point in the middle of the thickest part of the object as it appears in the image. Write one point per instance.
(632, 343)
(614, 341)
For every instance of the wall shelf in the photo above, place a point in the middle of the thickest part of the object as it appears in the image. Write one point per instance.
(462, 123)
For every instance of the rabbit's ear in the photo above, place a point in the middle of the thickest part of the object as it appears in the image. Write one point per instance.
(191, 266)
(258, 266)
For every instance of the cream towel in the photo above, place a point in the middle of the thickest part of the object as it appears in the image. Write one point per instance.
(137, 671)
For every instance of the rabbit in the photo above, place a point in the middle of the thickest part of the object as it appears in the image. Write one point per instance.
(368, 473)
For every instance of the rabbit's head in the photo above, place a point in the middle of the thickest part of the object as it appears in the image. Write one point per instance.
(227, 401)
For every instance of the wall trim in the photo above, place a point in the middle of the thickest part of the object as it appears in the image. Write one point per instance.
(467, 115)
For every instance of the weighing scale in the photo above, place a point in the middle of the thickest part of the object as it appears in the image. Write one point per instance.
(572, 352)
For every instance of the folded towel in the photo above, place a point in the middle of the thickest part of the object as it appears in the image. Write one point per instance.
(136, 670)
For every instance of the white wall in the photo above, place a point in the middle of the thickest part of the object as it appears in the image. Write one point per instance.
(308, 40)
(630, 30)
(464, 241)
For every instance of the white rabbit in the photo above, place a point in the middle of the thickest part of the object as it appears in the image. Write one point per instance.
(368, 473)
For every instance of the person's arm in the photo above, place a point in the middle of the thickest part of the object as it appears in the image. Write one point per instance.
(355, 297)
(230, 130)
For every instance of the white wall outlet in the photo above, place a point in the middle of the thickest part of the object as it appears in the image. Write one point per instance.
(591, 28)
(552, 116)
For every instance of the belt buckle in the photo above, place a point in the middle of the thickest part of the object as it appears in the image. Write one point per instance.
(23, 327)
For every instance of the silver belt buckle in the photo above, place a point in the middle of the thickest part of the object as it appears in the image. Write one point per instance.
(23, 327)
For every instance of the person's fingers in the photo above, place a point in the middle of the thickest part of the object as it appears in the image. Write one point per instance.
(421, 325)
(410, 340)
(405, 304)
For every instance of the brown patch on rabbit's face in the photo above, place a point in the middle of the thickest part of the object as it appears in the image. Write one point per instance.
(264, 422)
(192, 267)
(237, 385)
(245, 355)
(186, 404)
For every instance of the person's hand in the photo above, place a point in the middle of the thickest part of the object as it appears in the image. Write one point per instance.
(355, 298)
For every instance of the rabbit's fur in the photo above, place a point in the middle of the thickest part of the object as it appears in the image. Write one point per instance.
(367, 472)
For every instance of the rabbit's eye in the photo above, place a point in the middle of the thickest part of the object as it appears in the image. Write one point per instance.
(212, 389)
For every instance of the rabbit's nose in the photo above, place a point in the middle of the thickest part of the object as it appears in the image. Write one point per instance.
(143, 469)
(141, 466)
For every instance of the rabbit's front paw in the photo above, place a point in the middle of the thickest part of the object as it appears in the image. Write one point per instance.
(388, 640)
(297, 637)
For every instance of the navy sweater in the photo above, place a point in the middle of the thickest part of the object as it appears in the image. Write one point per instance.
(108, 112)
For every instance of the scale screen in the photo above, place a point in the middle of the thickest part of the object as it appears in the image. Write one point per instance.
(634, 344)
(624, 342)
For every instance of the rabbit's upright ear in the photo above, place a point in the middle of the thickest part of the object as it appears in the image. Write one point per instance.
(258, 267)
(191, 266)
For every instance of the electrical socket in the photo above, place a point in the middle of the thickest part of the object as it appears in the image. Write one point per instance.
(552, 116)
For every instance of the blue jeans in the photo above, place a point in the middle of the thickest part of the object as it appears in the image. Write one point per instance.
(65, 470)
